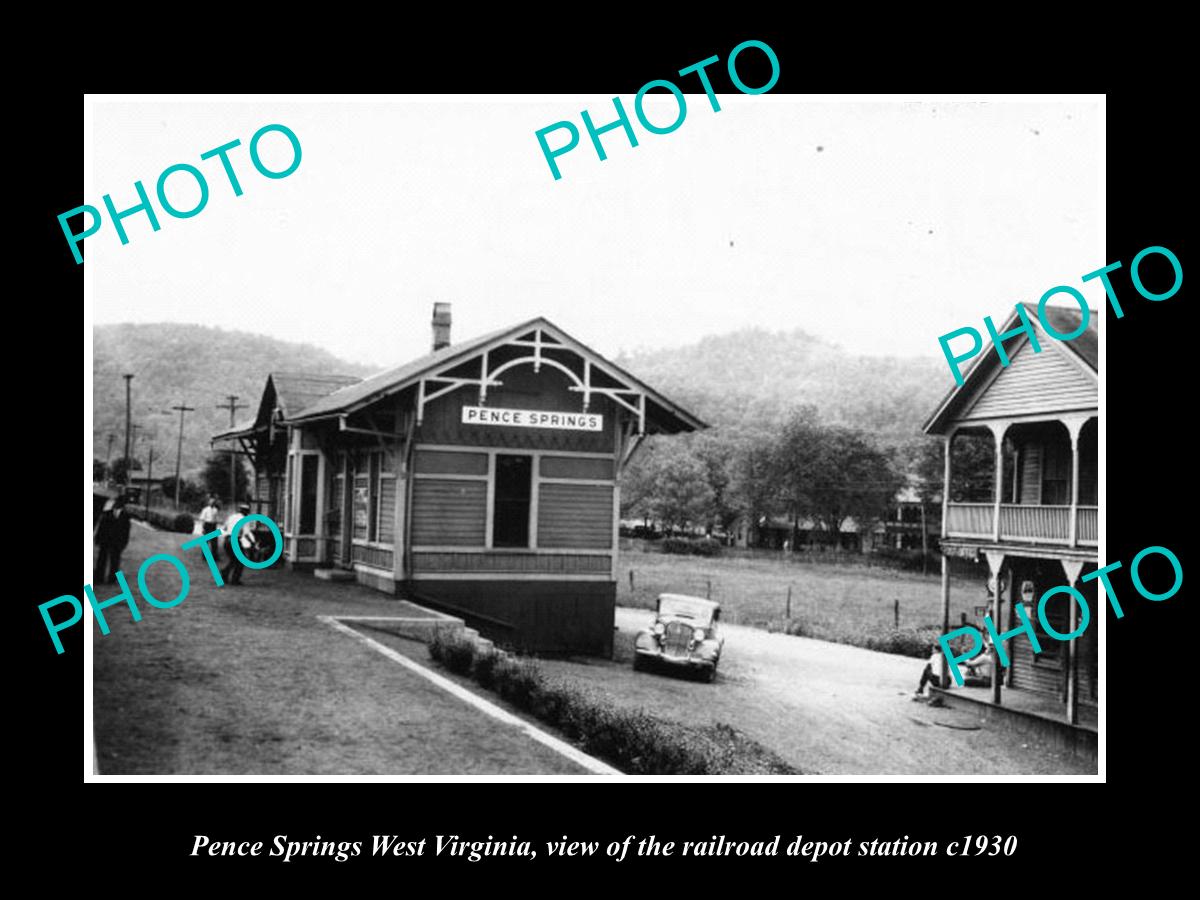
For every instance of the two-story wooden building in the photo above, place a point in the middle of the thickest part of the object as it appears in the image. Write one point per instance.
(1037, 523)
(481, 478)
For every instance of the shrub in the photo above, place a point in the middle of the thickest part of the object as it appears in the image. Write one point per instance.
(691, 546)
(632, 739)
(452, 651)
(903, 641)
(164, 520)
(905, 560)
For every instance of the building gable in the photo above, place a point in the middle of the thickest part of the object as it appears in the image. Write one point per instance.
(1049, 381)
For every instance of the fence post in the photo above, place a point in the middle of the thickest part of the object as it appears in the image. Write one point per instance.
(708, 590)
(789, 603)
(896, 611)
(631, 581)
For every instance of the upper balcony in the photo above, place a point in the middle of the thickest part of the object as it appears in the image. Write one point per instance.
(1031, 483)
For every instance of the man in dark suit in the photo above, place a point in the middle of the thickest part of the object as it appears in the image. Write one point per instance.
(112, 535)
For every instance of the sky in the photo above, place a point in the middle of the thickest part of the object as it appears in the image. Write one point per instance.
(877, 226)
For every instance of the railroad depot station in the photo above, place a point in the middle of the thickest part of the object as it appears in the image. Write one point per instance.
(480, 479)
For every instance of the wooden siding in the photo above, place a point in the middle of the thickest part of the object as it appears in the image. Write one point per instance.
(1045, 672)
(387, 510)
(449, 513)
(575, 515)
(539, 616)
(533, 563)
(1035, 383)
(577, 467)
(380, 557)
(441, 462)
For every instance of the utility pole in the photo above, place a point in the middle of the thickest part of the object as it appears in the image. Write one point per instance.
(149, 476)
(128, 461)
(128, 419)
(183, 410)
(108, 459)
(233, 406)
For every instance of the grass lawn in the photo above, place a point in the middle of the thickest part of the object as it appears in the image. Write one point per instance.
(840, 601)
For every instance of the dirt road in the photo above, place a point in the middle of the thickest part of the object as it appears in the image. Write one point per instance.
(826, 708)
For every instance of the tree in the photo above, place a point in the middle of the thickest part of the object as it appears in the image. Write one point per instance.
(669, 483)
(973, 468)
(99, 469)
(716, 451)
(190, 493)
(832, 474)
(753, 491)
(216, 476)
(122, 467)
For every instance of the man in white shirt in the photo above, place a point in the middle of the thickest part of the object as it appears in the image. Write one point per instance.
(232, 573)
(210, 516)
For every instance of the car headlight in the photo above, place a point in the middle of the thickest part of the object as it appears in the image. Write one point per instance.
(659, 628)
(698, 635)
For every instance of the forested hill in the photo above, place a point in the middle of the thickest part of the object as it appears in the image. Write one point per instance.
(753, 378)
(193, 365)
(748, 380)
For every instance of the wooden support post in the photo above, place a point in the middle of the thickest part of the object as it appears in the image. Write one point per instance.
(789, 603)
(999, 477)
(1074, 428)
(945, 602)
(996, 567)
(1072, 568)
(997, 605)
(896, 611)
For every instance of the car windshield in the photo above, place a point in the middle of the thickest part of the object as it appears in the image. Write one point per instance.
(684, 608)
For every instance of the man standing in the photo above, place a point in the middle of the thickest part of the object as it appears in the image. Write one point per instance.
(232, 573)
(210, 516)
(112, 536)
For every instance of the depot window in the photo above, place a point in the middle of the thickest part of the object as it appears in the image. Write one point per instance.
(510, 512)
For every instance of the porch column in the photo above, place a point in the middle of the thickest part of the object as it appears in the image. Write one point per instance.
(1074, 427)
(1072, 568)
(998, 433)
(945, 560)
(996, 566)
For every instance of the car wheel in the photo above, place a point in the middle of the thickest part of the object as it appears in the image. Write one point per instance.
(637, 662)
(712, 675)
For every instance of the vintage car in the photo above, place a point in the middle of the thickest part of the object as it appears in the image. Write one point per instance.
(684, 634)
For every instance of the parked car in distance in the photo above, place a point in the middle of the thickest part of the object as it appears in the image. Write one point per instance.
(684, 635)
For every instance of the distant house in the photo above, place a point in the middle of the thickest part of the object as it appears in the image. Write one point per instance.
(1037, 522)
(907, 518)
(481, 478)
(773, 532)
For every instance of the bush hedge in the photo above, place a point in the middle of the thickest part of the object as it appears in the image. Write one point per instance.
(163, 519)
(691, 546)
(633, 740)
(904, 560)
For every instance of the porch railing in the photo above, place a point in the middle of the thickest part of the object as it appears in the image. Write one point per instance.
(1037, 524)
(1019, 522)
(969, 520)
(1088, 528)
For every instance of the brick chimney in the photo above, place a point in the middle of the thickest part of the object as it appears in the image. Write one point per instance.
(441, 325)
